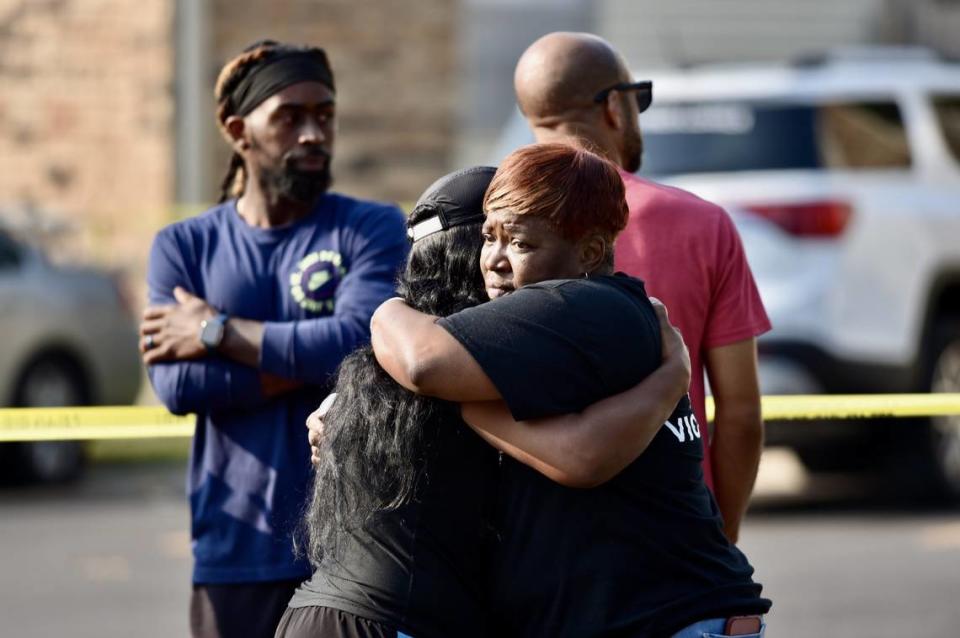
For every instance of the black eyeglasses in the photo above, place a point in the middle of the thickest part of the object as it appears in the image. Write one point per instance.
(644, 93)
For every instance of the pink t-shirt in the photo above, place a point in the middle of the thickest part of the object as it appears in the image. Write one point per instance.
(688, 253)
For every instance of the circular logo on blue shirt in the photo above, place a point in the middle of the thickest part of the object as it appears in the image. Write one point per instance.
(314, 283)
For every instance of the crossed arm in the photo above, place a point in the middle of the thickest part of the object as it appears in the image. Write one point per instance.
(582, 449)
(185, 378)
(256, 360)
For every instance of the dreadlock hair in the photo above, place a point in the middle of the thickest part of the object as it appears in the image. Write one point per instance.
(377, 436)
(232, 74)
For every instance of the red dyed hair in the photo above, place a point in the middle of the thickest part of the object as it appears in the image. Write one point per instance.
(579, 192)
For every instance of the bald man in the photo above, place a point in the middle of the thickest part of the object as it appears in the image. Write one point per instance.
(575, 87)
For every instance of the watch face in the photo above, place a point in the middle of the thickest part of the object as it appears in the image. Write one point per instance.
(211, 332)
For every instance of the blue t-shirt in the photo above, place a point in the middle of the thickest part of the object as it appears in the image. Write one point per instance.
(314, 284)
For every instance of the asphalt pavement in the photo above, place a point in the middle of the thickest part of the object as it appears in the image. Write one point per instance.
(110, 556)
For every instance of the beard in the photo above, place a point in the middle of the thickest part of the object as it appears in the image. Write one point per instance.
(289, 182)
(633, 150)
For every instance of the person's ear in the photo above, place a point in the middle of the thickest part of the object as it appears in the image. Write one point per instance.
(237, 130)
(613, 111)
(593, 253)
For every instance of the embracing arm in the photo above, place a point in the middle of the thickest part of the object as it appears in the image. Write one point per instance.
(589, 448)
(586, 449)
(738, 429)
(424, 358)
(576, 450)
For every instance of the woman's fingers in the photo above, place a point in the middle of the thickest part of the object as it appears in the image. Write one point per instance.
(315, 427)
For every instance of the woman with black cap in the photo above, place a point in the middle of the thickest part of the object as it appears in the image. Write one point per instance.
(641, 555)
(398, 527)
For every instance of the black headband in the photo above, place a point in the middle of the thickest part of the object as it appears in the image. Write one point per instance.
(279, 72)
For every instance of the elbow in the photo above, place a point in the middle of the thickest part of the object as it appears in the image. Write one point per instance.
(170, 394)
(581, 478)
(580, 481)
(395, 357)
(404, 370)
(414, 374)
(411, 352)
(741, 428)
(422, 376)
(174, 403)
(742, 419)
(596, 473)
(585, 467)
(415, 371)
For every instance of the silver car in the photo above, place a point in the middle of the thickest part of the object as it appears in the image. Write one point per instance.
(67, 340)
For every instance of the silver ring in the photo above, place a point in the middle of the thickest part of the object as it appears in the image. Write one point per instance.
(148, 342)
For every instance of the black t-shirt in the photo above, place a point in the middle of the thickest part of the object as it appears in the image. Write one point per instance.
(642, 555)
(422, 568)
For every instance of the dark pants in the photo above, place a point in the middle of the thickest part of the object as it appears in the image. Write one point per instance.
(325, 622)
(243, 610)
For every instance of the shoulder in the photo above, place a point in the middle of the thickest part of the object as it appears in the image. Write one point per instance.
(648, 195)
(594, 296)
(619, 285)
(622, 285)
(609, 316)
(367, 224)
(186, 233)
(205, 222)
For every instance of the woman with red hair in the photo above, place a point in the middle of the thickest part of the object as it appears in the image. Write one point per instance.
(641, 554)
(398, 526)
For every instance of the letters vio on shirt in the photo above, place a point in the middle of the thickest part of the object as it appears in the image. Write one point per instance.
(686, 429)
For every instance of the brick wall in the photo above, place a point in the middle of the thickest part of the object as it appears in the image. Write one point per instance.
(85, 119)
(396, 72)
(88, 111)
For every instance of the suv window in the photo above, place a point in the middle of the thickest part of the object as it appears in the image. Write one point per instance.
(748, 136)
(948, 113)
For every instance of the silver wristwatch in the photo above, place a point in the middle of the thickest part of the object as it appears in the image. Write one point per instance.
(211, 331)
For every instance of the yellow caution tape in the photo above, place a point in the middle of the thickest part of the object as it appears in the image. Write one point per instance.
(89, 423)
(136, 422)
(853, 406)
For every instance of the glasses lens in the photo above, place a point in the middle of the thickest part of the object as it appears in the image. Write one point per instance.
(644, 97)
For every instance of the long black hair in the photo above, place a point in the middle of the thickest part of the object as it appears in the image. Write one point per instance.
(376, 437)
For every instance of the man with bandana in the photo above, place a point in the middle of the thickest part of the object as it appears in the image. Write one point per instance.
(253, 304)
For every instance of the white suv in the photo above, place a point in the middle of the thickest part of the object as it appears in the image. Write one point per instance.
(843, 175)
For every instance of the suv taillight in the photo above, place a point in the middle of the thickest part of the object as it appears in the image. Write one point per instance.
(807, 219)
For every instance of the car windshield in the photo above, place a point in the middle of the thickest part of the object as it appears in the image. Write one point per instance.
(708, 137)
